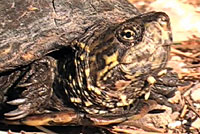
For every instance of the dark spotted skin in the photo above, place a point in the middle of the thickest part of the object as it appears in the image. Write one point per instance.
(104, 75)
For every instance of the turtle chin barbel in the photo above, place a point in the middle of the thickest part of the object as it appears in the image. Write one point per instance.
(90, 64)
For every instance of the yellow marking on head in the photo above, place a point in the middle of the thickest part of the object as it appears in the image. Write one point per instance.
(88, 103)
(93, 58)
(119, 104)
(86, 93)
(79, 81)
(75, 100)
(87, 72)
(87, 110)
(70, 77)
(131, 101)
(113, 109)
(104, 103)
(78, 91)
(91, 111)
(146, 96)
(151, 80)
(97, 91)
(81, 45)
(102, 112)
(66, 91)
(71, 85)
(123, 100)
(87, 49)
(63, 66)
(74, 82)
(109, 75)
(112, 60)
(82, 57)
(75, 62)
(133, 76)
(104, 78)
(89, 87)
(109, 105)
(122, 104)
(95, 111)
(102, 72)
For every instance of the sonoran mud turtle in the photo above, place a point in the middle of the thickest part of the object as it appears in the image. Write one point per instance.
(82, 62)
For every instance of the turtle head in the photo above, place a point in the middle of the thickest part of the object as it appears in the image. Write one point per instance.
(114, 61)
(126, 51)
(148, 37)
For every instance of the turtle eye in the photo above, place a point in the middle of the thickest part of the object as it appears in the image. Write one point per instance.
(128, 34)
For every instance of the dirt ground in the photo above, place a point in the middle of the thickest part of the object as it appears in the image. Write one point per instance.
(184, 59)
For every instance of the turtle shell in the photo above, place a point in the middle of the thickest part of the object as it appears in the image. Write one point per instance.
(31, 29)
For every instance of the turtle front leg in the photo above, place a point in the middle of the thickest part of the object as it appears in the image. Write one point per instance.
(70, 117)
(37, 81)
(165, 87)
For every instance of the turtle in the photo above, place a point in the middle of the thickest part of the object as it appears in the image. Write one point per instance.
(82, 62)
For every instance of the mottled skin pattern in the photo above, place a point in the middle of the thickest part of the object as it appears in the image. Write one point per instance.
(93, 60)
